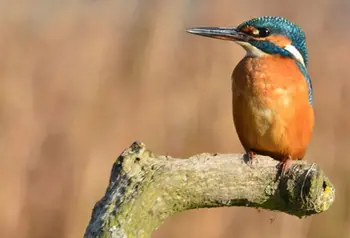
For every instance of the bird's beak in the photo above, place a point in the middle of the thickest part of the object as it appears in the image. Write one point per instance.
(223, 33)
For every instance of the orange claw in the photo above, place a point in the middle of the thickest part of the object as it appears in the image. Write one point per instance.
(250, 155)
(285, 164)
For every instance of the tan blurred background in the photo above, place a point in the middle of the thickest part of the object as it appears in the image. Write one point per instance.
(81, 80)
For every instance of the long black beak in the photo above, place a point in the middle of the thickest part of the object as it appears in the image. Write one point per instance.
(223, 33)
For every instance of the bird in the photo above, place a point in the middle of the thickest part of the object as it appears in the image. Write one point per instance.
(272, 98)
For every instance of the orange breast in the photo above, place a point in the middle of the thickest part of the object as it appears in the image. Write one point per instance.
(271, 111)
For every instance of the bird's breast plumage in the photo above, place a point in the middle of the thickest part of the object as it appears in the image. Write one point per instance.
(271, 108)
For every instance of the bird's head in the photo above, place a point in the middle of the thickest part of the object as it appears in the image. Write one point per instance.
(263, 35)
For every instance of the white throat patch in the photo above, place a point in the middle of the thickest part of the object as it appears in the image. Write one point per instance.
(252, 51)
(291, 49)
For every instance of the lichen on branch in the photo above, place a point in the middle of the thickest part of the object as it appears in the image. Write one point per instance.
(144, 189)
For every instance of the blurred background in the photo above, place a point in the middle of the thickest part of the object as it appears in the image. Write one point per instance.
(81, 80)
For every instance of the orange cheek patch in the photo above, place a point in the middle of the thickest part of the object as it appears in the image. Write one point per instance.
(250, 30)
(279, 40)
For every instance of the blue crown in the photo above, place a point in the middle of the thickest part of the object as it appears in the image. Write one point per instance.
(279, 26)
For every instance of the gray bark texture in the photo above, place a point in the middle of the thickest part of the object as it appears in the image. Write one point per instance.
(144, 189)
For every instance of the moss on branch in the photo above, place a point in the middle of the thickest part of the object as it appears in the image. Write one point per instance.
(144, 189)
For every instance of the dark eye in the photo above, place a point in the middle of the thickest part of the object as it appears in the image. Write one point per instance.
(263, 32)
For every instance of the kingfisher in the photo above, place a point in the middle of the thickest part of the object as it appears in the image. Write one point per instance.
(271, 88)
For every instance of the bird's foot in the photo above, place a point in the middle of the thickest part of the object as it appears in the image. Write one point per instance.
(250, 156)
(285, 165)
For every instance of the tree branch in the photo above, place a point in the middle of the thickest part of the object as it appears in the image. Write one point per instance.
(144, 189)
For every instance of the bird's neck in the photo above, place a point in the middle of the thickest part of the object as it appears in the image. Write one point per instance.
(265, 48)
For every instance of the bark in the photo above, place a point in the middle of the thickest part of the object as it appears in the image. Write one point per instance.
(144, 189)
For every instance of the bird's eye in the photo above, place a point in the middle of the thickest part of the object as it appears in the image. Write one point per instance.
(263, 32)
